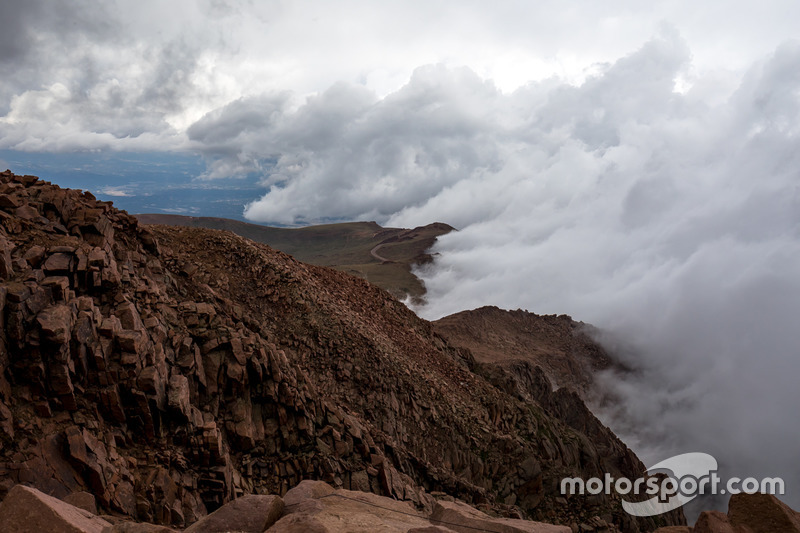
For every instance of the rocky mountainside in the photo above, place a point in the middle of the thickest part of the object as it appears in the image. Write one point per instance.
(170, 370)
(563, 348)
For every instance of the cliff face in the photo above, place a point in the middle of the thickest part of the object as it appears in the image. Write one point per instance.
(167, 370)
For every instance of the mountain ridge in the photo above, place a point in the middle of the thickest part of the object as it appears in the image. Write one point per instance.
(170, 370)
(352, 247)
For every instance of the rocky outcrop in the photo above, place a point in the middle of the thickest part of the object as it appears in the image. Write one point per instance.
(168, 371)
(751, 513)
(311, 507)
(28, 510)
(249, 514)
(462, 518)
(747, 513)
(562, 347)
(316, 507)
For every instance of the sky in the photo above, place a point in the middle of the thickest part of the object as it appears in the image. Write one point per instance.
(633, 164)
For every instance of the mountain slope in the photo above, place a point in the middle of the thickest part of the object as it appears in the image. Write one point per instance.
(167, 370)
(562, 347)
(383, 256)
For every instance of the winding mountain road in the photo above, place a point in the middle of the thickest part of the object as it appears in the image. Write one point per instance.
(374, 253)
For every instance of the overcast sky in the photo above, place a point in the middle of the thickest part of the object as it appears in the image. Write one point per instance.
(633, 164)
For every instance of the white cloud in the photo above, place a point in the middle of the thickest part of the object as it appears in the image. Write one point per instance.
(669, 218)
(672, 223)
(120, 192)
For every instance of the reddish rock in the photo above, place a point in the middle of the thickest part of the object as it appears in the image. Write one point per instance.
(27, 510)
(713, 522)
(298, 523)
(178, 395)
(27, 212)
(34, 255)
(762, 513)
(6, 264)
(82, 500)
(59, 262)
(7, 201)
(59, 285)
(247, 514)
(56, 323)
(133, 527)
(462, 518)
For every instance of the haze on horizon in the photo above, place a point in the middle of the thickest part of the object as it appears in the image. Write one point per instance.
(636, 166)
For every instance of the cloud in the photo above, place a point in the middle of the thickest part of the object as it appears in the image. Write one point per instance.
(115, 191)
(671, 223)
(347, 154)
(99, 76)
(669, 218)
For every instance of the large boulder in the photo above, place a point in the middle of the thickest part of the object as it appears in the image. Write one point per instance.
(749, 513)
(27, 510)
(315, 506)
(462, 518)
(249, 514)
(713, 522)
(762, 513)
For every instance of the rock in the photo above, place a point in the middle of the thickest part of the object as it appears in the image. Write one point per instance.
(27, 212)
(34, 255)
(316, 506)
(129, 316)
(56, 323)
(82, 500)
(178, 395)
(674, 529)
(59, 285)
(17, 292)
(762, 513)
(88, 455)
(299, 523)
(133, 527)
(307, 490)
(27, 510)
(7, 201)
(712, 522)
(247, 514)
(462, 518)
(6, 265)
(58, 262)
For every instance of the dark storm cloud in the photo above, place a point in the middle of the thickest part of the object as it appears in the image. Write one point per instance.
(74, 79)
(37, 35)
(15, 39)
